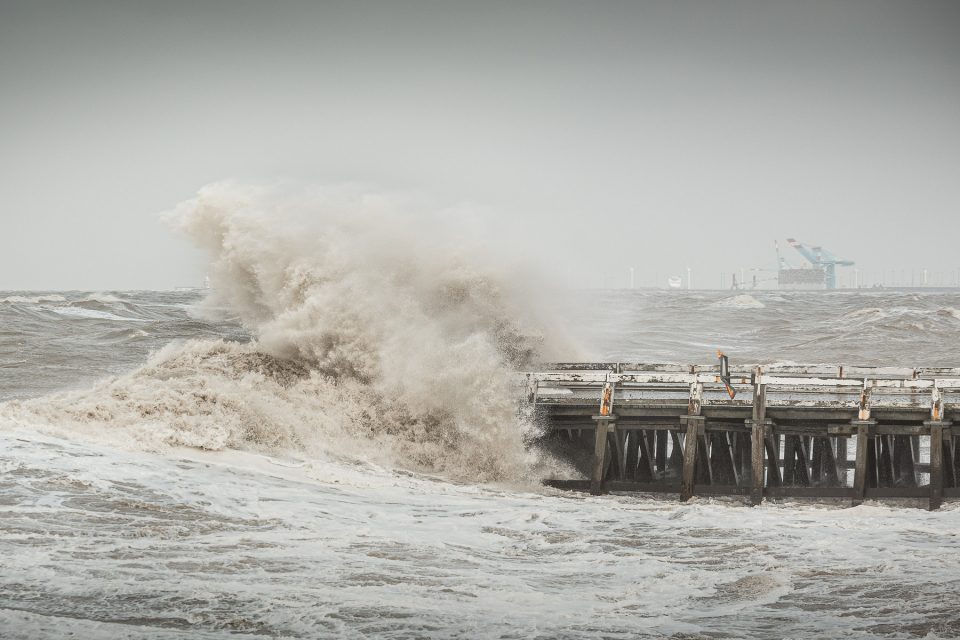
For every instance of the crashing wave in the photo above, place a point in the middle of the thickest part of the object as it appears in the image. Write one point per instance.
(374, 338)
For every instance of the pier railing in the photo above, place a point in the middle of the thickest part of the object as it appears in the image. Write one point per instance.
(759, 431)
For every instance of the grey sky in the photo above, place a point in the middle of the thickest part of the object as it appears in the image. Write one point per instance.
(598, 136)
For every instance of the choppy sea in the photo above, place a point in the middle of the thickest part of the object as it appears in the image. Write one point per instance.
(161, 478)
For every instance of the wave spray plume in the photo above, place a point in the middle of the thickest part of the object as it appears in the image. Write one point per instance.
(374, 337)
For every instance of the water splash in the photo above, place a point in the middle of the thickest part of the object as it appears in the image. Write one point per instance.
(375, 336)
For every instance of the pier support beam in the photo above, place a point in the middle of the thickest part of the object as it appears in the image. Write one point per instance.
(758, 432)
(864, 428)
(842, 460)
(825, 470)
(660, 445)
(936, 461)
(723, 461)
(605, 425)
(646, 469)
(694, 424)
(695, 430)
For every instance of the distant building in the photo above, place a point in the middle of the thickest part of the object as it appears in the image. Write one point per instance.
(810, 278)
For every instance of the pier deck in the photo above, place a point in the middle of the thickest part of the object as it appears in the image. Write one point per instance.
(773, 431)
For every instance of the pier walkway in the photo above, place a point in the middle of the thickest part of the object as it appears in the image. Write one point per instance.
(772, 431)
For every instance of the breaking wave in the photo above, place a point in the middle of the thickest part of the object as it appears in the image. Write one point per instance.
(742, 301)
(903, 318)
(374, 337)
(32, 299)
(78, 311)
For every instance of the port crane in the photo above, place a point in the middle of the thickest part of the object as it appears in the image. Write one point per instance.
(819, 258)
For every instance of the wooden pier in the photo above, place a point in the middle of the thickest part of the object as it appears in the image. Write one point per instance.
(777, 431)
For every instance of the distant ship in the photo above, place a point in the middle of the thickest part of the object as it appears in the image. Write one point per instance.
(674, 282)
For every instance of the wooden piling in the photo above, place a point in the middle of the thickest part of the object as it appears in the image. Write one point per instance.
(620, 454)
(660, 444)
(756, 489)
(948, 466)
(742, 455)
(841, 460)
(688, 481)
(860, 469)
(603, 424)
(885, 472)
(694, 428)
(904, 469)
(758, 441)
(936, 464)
(645, 462)
(723, 463)
(772, 444)
(675, 461)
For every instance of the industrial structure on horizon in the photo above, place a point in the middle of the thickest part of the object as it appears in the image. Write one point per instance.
(819, 273)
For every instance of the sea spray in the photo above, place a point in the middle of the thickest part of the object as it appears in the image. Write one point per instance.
(374, 337)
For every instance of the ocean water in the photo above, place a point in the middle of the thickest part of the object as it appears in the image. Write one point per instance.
(328, 444)
(111, 531)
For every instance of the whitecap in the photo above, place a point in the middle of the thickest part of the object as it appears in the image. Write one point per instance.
(742, 301)
(81, 312)
(33, 299)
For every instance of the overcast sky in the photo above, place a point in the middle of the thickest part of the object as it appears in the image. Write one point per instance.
(657, 135)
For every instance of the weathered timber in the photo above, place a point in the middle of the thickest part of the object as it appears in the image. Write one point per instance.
(825, 466)
(646, 465)
(661, 453)
(936, 463)
(690, 441)
(863, 453)
(631, 453)
(949, 469)
(600, 452)
(758, 424)
(780, 431)
(722, 460)
(756, 493)
(904, 466)
(772, 444)
(620, 453)
(675, 463)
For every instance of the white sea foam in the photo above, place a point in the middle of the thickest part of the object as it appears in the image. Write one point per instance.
(950, 312)
(866, 313)
(33, 299)
(742, 301)
(204, 545)
(105, 298)
(96, 314)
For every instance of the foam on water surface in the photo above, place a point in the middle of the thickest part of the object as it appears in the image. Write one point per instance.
(96, 314)
(742, 301)
(144, 544)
